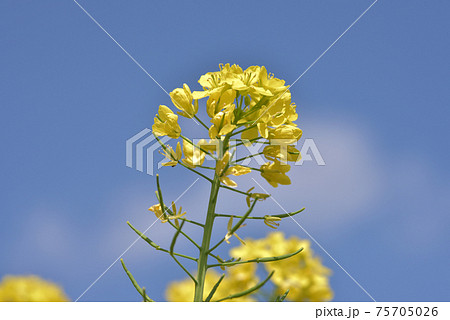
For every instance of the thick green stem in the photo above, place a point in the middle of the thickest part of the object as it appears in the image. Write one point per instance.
(204, 250)
(202, 263)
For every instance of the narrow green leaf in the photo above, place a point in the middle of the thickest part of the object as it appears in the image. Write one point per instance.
(135, 284)
(213, 290)
(282, 297)
(257, 260)
(157, 247)
(248, 291)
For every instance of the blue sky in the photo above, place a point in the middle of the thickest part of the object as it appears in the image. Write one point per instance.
(377, 106)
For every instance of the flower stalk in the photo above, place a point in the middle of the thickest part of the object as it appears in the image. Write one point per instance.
(204, 250)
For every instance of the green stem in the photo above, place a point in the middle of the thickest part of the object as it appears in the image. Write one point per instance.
(135, 284)
(249, 156)
(201, 122)
(204, 249)
(251, 140)
(284, 215)
(236, 226)
(256, 260)
(184, 234)
(157, 247)
(192, 222)
(172, 246)
(235, 190)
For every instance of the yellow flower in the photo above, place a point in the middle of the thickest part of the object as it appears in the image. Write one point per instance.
(285, 134)
(219, 100)
(182, 99)
(303, 274)
(172, 156)
(223, 170)
(229, 73)
(163, 216)
(30, 289)
(193, 156)
(282, 152)
(279, 111)
(263, 129)
(257, 196)
(212, 80)
(229, 234)
(166, 123)
(176, 215)
(223, 164)
(269, 82)
(246, 82)
(272, 221)
(275, 173)
(156, 209)
(222, 122)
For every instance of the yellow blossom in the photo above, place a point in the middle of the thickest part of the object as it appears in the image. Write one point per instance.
(230, 234)
(275, 173)
(247, 82)
(156, 209)
(172, 156)
(257, 196)
(303, 274)
(263, 129)
(232, 76)
(229, 73)
(166, 123)
(271, 221)
(193, 156)
(30, 289)
(222, 122)
(182, 99)
(269, 82)
(176, 215)
(219, 100)
(286, 134)
(212, 80)
(282, 152)
(163, 216)
(279, 111)
(223, 170)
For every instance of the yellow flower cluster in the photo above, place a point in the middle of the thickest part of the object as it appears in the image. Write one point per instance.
(252, 100)
(303, 274)
(30, 289)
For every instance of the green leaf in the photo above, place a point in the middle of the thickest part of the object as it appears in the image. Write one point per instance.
(282, 297)
(248, 291)
(213, 290)
(135, 284)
